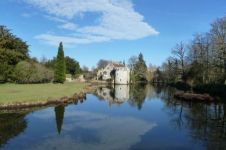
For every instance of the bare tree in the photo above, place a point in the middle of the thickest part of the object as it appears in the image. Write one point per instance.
(218, 33)
(85, 69)
(199, 53)
(132, 61)
(179, 52)
(102, 63)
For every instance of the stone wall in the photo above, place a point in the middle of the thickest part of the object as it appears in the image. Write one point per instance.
(122, 76)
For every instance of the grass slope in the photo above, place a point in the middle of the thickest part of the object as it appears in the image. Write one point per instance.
(11, 93)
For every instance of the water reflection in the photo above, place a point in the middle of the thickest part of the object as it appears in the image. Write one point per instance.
(137, 95)
(59, 114)
(206, 122)
(148, 118)
(119, 94)
(11, 125)
(114, 95)
(89, 130)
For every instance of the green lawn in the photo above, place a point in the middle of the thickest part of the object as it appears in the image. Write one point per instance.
(10, 93)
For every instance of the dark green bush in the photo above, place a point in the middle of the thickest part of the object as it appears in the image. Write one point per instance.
(213, 89)
(181, 86)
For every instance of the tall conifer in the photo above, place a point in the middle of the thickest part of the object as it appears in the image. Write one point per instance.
(60, 68)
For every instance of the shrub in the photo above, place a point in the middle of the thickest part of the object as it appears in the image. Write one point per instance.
(213, 89)
(26, 72)
(5, 72)
(181, 86)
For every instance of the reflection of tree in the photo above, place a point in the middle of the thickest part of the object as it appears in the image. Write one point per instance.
(138, 94)
(158, 89)
(11, 125)
(112, 93)
(206, 122)
(59, 114)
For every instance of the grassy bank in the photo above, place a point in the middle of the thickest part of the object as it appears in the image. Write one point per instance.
(11, 93)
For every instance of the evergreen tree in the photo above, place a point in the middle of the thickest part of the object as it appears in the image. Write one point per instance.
(140, 69)
(72, 66)
(60, 68)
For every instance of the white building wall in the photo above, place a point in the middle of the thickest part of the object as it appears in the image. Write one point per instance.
(122, 76)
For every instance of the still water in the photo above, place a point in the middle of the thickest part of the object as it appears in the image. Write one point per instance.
(140, 117)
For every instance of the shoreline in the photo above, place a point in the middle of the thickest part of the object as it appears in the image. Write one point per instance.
(80, 95)
(65, 100)
(49, 102)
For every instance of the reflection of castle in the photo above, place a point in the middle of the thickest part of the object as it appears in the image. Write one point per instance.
(117, 95)
(121, 93)
(105, 93)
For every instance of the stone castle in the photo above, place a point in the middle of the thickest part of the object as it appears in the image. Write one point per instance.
(120, 72)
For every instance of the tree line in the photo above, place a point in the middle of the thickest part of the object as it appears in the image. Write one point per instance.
(200, 64)
(201, 61)
(17, 66)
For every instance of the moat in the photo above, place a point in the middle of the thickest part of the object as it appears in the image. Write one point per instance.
(138, 117)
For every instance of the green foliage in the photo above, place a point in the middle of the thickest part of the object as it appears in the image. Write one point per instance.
(72, 66)
(140, 70)
(27, 72)
(50, 63)
(60, 68)
(213, 89)
(158, 76)
(181, 86)
(5, 72)
(12, 51)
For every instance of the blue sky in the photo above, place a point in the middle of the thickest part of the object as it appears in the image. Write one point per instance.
(108, 29)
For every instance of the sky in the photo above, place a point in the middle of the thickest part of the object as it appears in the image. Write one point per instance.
(108, 29)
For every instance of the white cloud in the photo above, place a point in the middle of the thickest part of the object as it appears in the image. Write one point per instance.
(69, 26)
(70, 40)
(118, 21)
(26, 15)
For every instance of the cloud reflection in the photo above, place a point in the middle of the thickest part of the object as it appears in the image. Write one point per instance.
(88, 130)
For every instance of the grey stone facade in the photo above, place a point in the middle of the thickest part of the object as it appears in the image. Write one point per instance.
(121, 72)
